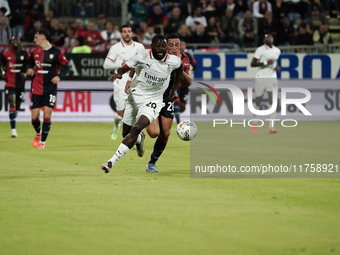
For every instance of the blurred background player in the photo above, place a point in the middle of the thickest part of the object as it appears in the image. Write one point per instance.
(162, 125)
(118, 54)
(13, 66)
(153, 69)
(46, 61)
(80, 47)
(266, 57)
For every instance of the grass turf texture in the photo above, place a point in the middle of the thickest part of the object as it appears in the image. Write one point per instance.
(58, 201)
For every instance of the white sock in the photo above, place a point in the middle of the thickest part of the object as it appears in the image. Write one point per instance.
(122, 150)
(139, 138)
(272, 116)
(118, 121)
(254, 115)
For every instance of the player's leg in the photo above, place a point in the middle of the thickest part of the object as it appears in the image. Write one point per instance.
(10, 97)
(36, 104)
(165, 124)
(272, 84)
(259, 92)
(256, 105)
(177, 110)
(128, 142)
(153, 129)
(119, 97)
(272, 116)
(180, 103)
(18, 100)
(139, 116)
(46, 126)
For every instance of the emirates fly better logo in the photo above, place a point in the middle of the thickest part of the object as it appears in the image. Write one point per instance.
(239, 99)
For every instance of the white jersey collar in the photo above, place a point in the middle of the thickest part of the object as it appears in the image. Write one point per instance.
(133, 43)
(164, 59)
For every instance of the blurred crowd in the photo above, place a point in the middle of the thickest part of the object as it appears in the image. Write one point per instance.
(239, 22)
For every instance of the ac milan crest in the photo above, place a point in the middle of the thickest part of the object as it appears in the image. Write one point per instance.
(51, 56)
(22, 58)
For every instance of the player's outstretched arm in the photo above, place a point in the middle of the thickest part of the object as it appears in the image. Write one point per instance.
(118, 73)
(177, 78)
(109, 63)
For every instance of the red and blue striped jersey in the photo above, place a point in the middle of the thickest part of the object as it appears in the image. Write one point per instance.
(47, 64)
(14, 65)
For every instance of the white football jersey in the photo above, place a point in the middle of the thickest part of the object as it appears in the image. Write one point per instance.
(152, 76)
(264, 53)
(119, 53)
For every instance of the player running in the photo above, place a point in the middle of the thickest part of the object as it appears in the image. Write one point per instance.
(162, 125)
(118, 54)
(153, 68)
(266, 57)
(13, 66)
(183, 89)
(46, 60)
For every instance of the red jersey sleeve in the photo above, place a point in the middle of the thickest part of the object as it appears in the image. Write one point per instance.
(62, 59)
(186, 65)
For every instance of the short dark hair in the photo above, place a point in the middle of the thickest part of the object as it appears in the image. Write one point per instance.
(3, 9)
(124, 26)
(157, 38)
(45, 32)
(81, 40)
(172, 36)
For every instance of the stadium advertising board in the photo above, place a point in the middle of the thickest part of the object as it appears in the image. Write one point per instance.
(89, 101)
(222, 66)
(293, 66)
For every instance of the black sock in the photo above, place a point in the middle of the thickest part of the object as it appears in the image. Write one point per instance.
(36, 125)
(12, 119)
(46, 129)
(157, 150)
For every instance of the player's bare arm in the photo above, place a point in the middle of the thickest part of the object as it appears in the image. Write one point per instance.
(256, 63)
(119, 73)
(128, 83)
(187, 77)
(55, 79)
(178, 75)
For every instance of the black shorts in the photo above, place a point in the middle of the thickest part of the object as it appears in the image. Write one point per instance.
(19, 93)
(38, 101)
(168, 110)
(183, 92)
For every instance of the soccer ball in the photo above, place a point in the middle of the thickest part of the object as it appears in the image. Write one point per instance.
(186, 130)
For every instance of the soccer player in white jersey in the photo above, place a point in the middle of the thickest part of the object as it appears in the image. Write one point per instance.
(153, 68)
(118, 54)
(266, 57)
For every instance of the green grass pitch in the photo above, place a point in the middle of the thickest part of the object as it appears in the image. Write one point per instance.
(58, 201)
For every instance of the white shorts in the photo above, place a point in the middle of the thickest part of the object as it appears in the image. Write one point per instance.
(263, 85)
(134, 110)
(120, 97)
